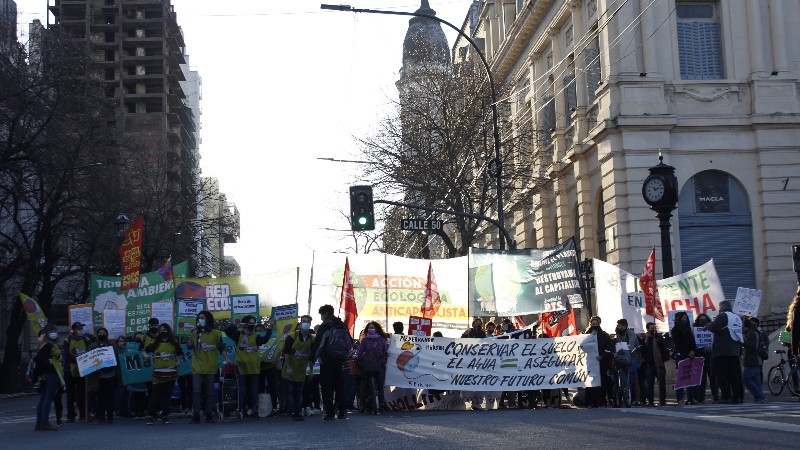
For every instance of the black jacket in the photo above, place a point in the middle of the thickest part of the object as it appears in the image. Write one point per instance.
(683, 337)
(330, 323)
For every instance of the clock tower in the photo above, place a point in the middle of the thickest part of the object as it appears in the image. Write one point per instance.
(660, 191)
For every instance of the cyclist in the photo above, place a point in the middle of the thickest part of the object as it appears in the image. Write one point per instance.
(628, 336)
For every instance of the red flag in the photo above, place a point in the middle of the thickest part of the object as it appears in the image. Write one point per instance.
(432, 301)
(559, 323)
(648, 284)
(348, 301)
(130, 253)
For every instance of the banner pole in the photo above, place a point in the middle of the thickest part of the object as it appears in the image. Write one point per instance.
(386, 287)
(310, 279)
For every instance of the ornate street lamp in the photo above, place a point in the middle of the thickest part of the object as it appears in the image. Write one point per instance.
(660, 191)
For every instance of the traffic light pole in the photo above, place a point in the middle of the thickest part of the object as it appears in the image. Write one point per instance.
(503, 231)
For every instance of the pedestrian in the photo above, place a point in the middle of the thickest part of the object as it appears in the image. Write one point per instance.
(490, 328)
(477, 332)
(371, 356)
(248, 364)
(685, 348)
(121, 396)
(628, 336)
(332, 348)
(793, 323)
(206, 341)
(76, 344)
(166, 353)
(751, 363)
(105, 381)
(654, 355)
(708, 378)
(47, 365)
(152, 332)
(598, 397)
(727, 329)
(296, 360)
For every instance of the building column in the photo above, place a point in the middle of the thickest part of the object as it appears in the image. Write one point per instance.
(586, 221)
(648, 37)
(579, 31)
(780, 60)
(755, 38)
(563, 212)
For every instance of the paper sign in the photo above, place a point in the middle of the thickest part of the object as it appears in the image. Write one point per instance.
(186, 318)
(689, 373)
(419, 326)
(747, 302)
(94, 360)
(83, 314)
(114, 322)
(163, 311)
(284, 312)
(242, 306)
(703, 338)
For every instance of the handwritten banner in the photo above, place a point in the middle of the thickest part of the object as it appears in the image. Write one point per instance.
(491, 365)
(419, 326)
(83, 314)
(698, 290)
(114, 322)
(130, 253)
(94, 360)
(186, 317)
(689, 373)
(163, 311)
(243, 305)
(703, 338)
(747, 302)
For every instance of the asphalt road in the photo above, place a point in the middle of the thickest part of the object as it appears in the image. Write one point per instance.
(769, 425)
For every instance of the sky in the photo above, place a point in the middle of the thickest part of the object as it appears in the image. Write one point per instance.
(285, 83)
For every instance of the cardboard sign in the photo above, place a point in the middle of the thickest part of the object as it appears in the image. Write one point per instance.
(703, 338)
(94, 360)
(747, 302)
(186, 318)
(419, 326)
(689, 373)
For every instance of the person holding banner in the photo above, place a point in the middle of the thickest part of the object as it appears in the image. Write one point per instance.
(106, 381)
(47, 366)
(685, 347)
(727, 329)
(207, 345)
(297, 357)
(167, 354)
(77, 343)
(248, 364)
(751, 375)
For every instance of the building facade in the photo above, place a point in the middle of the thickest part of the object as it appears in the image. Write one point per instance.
(608, 85)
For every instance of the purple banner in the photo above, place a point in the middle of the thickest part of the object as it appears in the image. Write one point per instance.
(689, 373)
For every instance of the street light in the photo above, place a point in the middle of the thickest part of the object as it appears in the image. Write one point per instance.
(122, 223)
(498, 165)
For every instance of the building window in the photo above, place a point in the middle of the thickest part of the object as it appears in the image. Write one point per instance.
(699, 44)
(109, 55)
(591, 58)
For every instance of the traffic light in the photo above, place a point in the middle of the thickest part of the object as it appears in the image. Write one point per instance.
(362, 216)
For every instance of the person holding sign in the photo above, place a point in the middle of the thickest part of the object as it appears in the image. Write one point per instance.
(47, 366)
(105, 381)
(207, 345)
(248, 364)
(77, 343)
(297, 356)
(727, 329)
(685, 347)
(708, 377)
(167, 354)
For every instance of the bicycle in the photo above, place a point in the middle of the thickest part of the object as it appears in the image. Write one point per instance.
(622, 386)
(777, 377)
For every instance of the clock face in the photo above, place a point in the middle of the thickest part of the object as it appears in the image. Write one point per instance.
(654, 190)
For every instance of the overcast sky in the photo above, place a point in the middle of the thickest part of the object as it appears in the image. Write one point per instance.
(285, 83)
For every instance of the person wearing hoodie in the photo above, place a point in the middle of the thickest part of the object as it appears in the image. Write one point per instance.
(371, 356)
(247, 363)
(297, 356)
(206, 341)
(654, 355)
(685, 348)
(47, 365)
(598, 397)
(708, 378)
(167, 354)
(330, 368)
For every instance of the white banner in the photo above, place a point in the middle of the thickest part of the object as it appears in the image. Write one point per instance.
(96, 359)
(698, 290)
(163, 311)
(491, 365)
(83, 314)
(703, 338)
(405, 399)
(747, 302)
(617, 298)
(114, 322)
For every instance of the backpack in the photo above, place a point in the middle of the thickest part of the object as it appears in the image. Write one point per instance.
(763, 344)
(338, 343)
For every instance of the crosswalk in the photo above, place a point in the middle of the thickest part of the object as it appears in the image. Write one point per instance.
(777, 416)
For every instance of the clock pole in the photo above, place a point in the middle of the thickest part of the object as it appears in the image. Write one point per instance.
(663, 205)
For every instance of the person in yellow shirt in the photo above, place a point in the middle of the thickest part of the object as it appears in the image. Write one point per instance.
(248, 364)
(297, 352)
(207, 344)
(167, 355)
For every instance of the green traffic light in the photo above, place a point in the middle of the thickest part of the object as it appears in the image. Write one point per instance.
(362, 220)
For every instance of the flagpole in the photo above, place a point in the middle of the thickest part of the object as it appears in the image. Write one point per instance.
(311, 281)
(386, 287)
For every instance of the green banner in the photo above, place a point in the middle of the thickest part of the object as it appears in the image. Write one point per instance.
(135, 369)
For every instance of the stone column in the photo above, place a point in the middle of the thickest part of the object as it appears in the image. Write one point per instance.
(755, 37)
(780, 60)
(648, 28)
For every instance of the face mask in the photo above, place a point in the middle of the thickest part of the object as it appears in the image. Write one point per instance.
(371, 331)
(162, 334)
(490, 330)
(121, 344)
(102, 337)
(621, 330)
(80, 333)
(52, 335)
(477, 326)
(595, 328)
(305, 326)
(154, 330)
(685, 321)
(201, 322)
(251, 328)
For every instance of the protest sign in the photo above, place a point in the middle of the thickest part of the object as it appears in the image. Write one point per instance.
(491, 364)
(83, 314)
(419, 326)
(671, 317)
(186, 316)
(697, 290)
(114, 322)
(94, 360)
(134, 368)
(284, 326)
(526, 281)
(185, 366)
(617, 298)
(703, 338)
(689, 373)
(164, 312)
(747, 302)
(244, 305)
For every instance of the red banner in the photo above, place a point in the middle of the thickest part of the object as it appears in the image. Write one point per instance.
(348, 300)
(648, 284)
(130, 253)
(432, 301)
(559, 323)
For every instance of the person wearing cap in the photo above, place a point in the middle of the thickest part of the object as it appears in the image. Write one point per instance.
(77, 343)
(47, 366)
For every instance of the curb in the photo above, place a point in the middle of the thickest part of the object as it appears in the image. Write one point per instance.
(17, 395)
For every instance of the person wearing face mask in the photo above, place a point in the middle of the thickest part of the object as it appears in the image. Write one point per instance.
(206, 341)
(167, 354)
(77, 343)
(598, 397)
(490, 328)
(477, 332)
(47, 365)
(297, 351)
(121, 394)
(104, 382)
(708, 378)
(152, 332)
(685, 347)
(247, 363)
(138, 390)
(371, 356)
(628, 336)
(654, 355)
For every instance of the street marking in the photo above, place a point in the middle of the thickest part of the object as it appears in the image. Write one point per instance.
(739, 421)
(406, 433)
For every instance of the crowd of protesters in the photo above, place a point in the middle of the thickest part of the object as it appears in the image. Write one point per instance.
(352, 372)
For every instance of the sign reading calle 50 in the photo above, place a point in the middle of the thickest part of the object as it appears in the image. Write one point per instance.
(420, 225)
